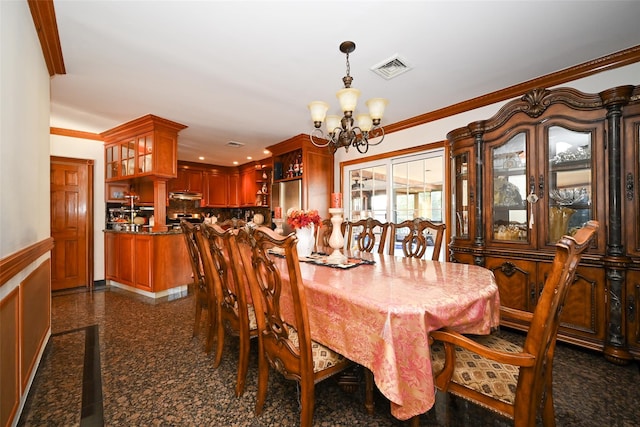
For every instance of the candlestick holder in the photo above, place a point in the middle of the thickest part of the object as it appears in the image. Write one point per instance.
(278, 222)
(336, 240)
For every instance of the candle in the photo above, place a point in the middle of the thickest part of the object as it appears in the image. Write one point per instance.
(278, 212)
(336, 200)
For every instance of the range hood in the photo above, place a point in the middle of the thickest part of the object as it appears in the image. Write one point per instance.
(185, 195)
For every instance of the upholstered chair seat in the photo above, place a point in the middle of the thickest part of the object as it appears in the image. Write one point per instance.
(323, 357)
(480, 373)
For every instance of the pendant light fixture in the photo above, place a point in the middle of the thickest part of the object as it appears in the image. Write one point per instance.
(341, 132)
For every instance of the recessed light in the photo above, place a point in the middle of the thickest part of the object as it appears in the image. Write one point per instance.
(201, 158)
(249, 157)
(235, 163)
(266, 152)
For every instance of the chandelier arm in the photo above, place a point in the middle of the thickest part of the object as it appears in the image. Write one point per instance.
(319, 134)
(378, 130)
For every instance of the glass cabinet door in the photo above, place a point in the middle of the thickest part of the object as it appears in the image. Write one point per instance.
(568, 181)
(112, 162)
(508, 187)
(128, 158)
(461, 195)
(145, 153)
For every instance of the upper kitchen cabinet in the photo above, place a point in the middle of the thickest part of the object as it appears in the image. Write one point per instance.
(539, 169)
(189, 178)
(254, 184)
(298, 159)
(146, 146)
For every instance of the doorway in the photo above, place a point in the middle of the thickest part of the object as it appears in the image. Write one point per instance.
(71, 223)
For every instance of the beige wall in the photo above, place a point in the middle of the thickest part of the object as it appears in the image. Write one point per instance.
(24, 199)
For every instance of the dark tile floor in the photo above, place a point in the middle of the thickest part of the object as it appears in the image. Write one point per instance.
(118, 359)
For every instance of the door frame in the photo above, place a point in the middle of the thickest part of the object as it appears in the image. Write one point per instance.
(89, 212)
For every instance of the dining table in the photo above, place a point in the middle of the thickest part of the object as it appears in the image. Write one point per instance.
(378, 310)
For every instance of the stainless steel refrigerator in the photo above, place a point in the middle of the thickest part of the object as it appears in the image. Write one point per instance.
(286, 195)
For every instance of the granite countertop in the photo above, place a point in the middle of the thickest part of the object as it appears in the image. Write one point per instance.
(148, 233)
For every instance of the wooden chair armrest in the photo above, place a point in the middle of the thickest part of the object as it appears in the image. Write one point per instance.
(455, 338)
(512, 313)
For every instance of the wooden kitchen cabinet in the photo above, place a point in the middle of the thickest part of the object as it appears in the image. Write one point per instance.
(146, 146)
(550, 162)
(233, 190)
(216, 189)
(150, 262)
(315, 171)
(188, 179)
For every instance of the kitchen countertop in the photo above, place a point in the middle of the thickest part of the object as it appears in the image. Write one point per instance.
(150, 233)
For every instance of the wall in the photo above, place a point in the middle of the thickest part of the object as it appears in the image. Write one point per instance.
(437, 130)
(65, 146)
(24, 203)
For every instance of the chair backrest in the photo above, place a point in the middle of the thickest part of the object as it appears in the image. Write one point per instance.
(324, 233)
(190, 232)
(227, 277)
(287, 349)
(415, 235)
(541, 337)
(232, 223)
(362, 235)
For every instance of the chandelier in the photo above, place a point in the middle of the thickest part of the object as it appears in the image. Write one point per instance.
(341, 132)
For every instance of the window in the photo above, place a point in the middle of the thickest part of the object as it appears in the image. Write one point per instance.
(416, 188)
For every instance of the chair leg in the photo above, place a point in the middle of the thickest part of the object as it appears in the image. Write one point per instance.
(211, 330)
(243, 365)
(196, 323)
(263, 380)
(220, 343)
(307, 400)
(548, 412)
(415, 421)
(368, 391)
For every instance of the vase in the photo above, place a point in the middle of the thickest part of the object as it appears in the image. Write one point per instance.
(305, 241)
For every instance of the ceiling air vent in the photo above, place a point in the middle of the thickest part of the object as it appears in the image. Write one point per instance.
(392, 67)
(235, 144)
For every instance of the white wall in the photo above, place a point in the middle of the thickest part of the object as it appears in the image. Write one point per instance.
(77, 148)
(24, 136)
(437, 130)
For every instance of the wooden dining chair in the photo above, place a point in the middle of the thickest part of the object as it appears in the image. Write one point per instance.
(284, 347)
(415, 236)
(232, 223)
(204, 299)
(235, 315)
(512, 380)
(362, 235)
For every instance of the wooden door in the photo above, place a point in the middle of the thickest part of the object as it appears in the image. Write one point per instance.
(71, 222)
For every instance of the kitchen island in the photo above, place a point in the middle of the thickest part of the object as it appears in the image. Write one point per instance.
(151, 263)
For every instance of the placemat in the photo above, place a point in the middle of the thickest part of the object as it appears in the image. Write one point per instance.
(320, 258)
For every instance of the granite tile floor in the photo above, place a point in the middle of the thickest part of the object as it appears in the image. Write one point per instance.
(119, 359)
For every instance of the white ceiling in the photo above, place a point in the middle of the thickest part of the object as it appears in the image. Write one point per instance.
(245, 70)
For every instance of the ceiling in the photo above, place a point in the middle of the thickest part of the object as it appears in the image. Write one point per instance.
(244, 71)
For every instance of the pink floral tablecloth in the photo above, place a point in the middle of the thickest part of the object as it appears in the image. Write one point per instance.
(380, 316)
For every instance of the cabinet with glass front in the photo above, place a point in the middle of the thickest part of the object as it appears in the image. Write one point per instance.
(143, 147)
(539, 169)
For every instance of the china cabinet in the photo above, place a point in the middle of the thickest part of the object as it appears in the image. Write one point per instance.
(540, 168)
(631, 225)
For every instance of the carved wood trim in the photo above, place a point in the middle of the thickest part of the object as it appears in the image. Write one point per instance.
(16, 262)
(44, 19)
(533, 103)
(75, 133)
